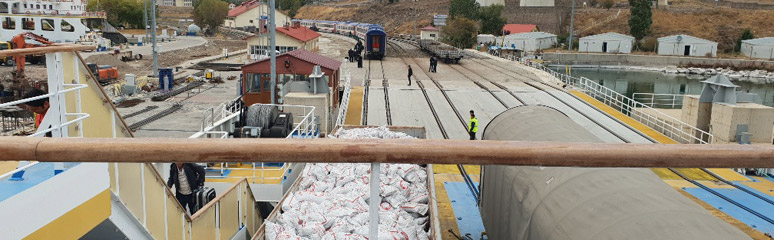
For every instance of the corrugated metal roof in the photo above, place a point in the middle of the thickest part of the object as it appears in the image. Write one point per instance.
(769, 41)
(519, 28)
(428, 28)
(531, 35)
(685, 38)
(307, 56)
(244, 7)
(301, 33)
(609, 36)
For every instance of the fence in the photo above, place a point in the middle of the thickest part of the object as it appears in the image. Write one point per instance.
(143, 191)
(654, 100)
(669, 126)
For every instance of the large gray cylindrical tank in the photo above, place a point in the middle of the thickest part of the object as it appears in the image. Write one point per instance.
(582, 203)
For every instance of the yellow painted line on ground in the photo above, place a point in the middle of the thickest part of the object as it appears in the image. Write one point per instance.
(763, 185)
(452, 168)
(78, 221)
(661, 138)
(729, 174)
(355, 108)
(679, 183)
(237, 175)
(6, 167)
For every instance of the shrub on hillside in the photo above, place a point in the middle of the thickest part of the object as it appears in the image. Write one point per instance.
(607, 4)
(649, 44)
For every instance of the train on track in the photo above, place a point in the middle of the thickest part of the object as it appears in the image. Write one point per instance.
(374, 35)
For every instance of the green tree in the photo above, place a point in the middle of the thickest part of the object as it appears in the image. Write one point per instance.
(607, 4)
(640, 19)
(747, 34)
(491, 20)
(210, 13)
(464, 8)
(120, 12)
(460, 32)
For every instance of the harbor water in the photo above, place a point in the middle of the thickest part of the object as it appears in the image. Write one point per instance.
(628, 82)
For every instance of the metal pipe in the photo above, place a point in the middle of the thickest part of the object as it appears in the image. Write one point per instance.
(153, 38)
(386, 151)
(272, 51)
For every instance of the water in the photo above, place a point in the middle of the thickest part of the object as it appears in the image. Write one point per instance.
(630, 82)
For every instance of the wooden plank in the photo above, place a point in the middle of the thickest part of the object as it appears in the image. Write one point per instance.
(414, 151)
(48, 49)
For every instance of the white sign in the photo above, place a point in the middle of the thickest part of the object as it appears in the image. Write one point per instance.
(440, 16)
(439, 22)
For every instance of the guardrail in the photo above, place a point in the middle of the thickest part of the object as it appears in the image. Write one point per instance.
(229, 114)
(145, 194)
(651, 117)
(660, 100)
(343, 107)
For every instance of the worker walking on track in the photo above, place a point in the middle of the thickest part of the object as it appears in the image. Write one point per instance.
(410, 73)
(473, 125)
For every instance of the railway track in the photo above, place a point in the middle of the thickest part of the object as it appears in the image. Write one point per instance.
(386, 86)
(479, 84)
(367, 84)
(760, 199)
(554, 96)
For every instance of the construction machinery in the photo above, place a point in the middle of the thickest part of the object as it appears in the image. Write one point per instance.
(103, 73)
(20, 42)
(8, 61)
(126, 56)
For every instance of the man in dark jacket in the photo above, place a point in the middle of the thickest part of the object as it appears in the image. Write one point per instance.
(186, 177)
(410, 73)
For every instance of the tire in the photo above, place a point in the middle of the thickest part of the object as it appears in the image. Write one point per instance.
(9, 62)
(138, 57)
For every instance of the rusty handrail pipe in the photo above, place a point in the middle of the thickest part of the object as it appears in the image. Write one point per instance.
(386, 151)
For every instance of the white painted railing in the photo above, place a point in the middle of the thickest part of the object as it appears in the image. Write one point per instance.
(305, 128)
(660, 100)
(344, 101)
(671, 127)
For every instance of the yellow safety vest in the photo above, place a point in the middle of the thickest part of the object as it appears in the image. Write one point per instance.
(471, 126)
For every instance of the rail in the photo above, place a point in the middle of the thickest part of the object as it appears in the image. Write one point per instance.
(230, 113)
(425, 151)
(660, 100)
(343, 107)
(649, 116)
(145, 194)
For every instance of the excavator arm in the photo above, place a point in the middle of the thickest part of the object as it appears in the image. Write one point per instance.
(20, 42)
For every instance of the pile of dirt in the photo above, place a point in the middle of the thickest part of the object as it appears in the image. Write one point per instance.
(396, 18)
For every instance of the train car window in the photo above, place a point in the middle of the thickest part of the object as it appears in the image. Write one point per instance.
(66, 26)
(47, 24)
(9, 23)
(28, 24)
(253, 82)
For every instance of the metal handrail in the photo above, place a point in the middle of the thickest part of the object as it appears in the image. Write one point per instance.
(343, 107)
(656, 100)
(665, 124)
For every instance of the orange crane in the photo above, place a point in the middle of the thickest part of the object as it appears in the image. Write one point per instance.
(20, 42)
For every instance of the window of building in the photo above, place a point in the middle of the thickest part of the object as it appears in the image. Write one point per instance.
(67, 27)
(251, 21)
(9, 23)
(38, 6)
(28, 24)
(267, 84)
(47, 24)
(432, 35)
(253, 82)
(25, 5)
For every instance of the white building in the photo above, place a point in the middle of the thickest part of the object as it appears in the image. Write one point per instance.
(759, 48)
(606, 43)
(428, 32)
(684, 45)
(247, 14)
(485, 38)
(531, 41)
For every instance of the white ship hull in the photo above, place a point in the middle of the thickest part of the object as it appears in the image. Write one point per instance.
(59, 29)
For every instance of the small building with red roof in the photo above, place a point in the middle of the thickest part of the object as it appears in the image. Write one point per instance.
(289, 38)
(294, 83)
(429, 32)
(509, 29)
(247, 14)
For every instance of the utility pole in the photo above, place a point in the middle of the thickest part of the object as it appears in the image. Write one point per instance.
(153, 38)
(415, 21)
(272, 51)
(572, 22)
(145, 18)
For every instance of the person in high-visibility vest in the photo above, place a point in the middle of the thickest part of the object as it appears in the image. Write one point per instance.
(473, 125)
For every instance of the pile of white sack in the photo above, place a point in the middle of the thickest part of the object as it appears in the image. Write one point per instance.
(331, 201)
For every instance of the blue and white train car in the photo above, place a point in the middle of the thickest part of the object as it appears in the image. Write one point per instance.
(376, 41)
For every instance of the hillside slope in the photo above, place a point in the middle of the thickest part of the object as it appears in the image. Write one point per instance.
(396, 18)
